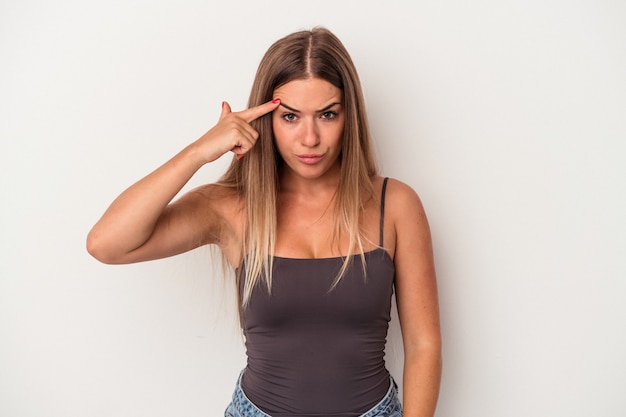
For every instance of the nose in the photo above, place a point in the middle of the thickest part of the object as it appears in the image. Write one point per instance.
(310, 134)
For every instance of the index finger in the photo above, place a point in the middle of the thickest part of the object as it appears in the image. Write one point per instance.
(254, 113)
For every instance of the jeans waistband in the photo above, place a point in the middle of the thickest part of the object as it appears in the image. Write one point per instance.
(388, 406)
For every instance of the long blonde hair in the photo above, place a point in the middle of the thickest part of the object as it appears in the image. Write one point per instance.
(315, 53)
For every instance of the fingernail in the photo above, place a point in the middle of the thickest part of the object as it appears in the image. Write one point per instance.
(223, 103)
(240, 157)
(276, 100)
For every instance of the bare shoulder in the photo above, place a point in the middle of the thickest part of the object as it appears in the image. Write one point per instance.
(217, 196)
(220, 211)
(214, 201)
(403, 203)
(405, 213)
(404, 217)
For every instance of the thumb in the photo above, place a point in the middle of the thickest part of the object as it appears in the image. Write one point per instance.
(225, 109)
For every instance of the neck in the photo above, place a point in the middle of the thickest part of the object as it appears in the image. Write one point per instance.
(310, 187)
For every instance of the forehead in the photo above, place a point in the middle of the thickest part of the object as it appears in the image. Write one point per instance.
(308, 93)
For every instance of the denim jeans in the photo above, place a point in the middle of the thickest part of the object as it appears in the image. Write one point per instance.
(241, 406)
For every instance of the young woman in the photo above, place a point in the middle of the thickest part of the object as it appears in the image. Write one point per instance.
(318, 240)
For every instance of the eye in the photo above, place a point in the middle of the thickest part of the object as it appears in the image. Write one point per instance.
(289, 117)
(329, 115)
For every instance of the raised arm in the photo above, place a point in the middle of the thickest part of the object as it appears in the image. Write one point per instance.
(143, 223)
(416, 295)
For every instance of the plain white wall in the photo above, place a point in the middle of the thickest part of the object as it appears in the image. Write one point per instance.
(508, 117)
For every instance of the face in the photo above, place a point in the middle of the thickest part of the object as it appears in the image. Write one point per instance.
(308, 127)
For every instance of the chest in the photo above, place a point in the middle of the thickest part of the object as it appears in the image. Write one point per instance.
(303, 295)
(309, 231)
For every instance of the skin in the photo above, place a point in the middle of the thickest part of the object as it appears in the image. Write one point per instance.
(143, 223)
(308, 130)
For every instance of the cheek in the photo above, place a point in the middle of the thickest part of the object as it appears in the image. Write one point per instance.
(338, 133)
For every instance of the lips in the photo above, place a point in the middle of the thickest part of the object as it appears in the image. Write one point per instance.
(310, 159)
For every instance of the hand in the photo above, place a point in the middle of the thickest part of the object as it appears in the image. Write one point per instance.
(233, 132)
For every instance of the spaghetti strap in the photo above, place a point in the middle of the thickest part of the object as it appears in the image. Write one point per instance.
(382, 212)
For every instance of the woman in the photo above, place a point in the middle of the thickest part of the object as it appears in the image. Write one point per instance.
(319, 241)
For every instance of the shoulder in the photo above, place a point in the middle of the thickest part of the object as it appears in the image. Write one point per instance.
(213, 205)
(405, 223)
(217, 197)
(219, 210)
(404, 208)
(217, 194)
(399, 196)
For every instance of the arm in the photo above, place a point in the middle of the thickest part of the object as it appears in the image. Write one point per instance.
(142, 223)
(416, 295)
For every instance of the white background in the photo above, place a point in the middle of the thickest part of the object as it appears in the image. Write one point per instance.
(507, 117)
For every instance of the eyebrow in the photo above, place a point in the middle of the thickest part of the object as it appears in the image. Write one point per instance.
(317, 111)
